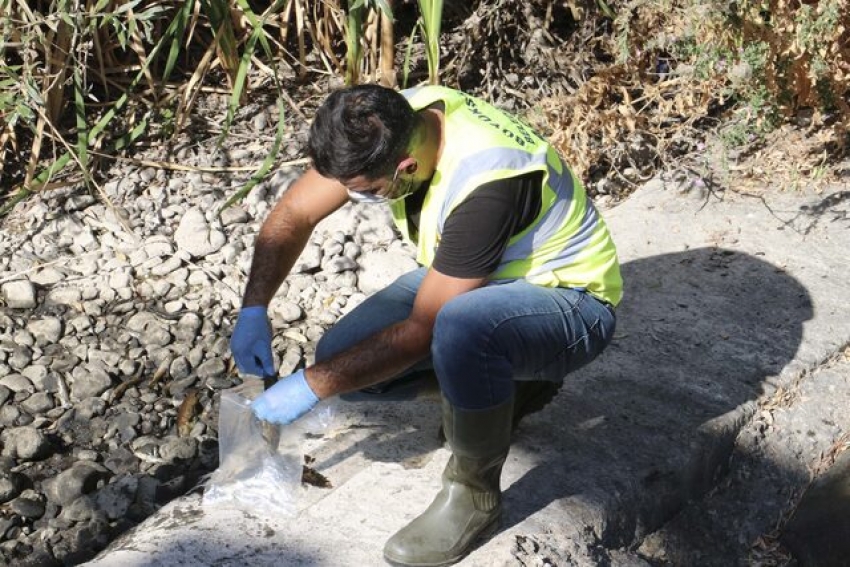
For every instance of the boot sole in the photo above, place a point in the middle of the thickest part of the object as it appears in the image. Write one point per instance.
(486, 531)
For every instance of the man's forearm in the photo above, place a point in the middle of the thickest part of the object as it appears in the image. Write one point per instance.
(378, 358)
(278, 246)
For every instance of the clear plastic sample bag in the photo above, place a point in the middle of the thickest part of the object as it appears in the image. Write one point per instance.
(260, 464)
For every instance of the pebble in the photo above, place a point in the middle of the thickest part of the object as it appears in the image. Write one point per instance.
(38, 403)
(70, 296)
(115, 499)
(82, 478)
(18, 294)
(196, 236)
(89, 380)
(17, 383)
(24, 443)
(30, 508)
(11, 485)
(47, 277)
(46, 331)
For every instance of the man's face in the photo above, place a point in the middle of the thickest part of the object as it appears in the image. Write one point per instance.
(384, 189)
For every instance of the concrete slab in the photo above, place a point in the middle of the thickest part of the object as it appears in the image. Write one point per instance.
(727, 299)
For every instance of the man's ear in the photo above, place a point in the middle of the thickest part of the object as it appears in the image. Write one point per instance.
(409, 165)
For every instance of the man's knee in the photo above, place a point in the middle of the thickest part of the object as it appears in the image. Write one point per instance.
(457, 326)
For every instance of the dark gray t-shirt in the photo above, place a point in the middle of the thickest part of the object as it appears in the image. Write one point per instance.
(476, 233)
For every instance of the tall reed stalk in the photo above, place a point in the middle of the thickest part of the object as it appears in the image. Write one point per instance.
(432, 18)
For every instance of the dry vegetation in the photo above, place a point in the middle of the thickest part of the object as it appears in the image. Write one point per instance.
(624, 88)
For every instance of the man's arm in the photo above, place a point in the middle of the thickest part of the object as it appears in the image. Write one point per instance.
(287, 230)
(396, 348)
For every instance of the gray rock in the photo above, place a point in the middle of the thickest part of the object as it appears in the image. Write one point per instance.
(339, 264)
(137, 257)
(196, 236)
(378, 269)
(11, 485)
(178, 448)
(229, 253)
(46, 331)
(125, 420)
(80, 510)
(159, 267)
(82, 478)
(351, 250)
(47, 277)
(27, 507)
(90, 380)
(173, 306)
(310, 259)
(19, 294)
(17, 383)
(158, 248)
(152, 330)
(66, 295)
(7, 524)
(195, 356)
(187, 328)
(198, 278)
(327, 317)
(20, 358)
(25, 443)
(121, 461)
(80, 324)
(37, 375)
(120, 279)
(157, 338)
(179, 368)
(78, 202)
(38, 403)
(147, 175)
(64, 363)
(288, 311)
(86, 455)
(23, 337)
(179, 386)
(147, 490)
(211, 368)
(80, 540)
(109, 359)
(9, 415)
(234, 215)
(5, 394)
(115, 499)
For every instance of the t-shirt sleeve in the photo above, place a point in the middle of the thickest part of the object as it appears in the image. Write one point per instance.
(476, 233)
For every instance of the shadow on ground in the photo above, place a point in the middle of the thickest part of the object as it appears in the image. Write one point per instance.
(651, 424)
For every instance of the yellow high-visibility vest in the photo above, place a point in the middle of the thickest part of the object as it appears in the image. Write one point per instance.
(567, 244)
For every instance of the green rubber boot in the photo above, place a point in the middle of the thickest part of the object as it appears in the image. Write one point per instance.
(470, 501)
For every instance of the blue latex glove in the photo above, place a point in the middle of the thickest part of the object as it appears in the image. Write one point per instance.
(286, 401)
(251, 343)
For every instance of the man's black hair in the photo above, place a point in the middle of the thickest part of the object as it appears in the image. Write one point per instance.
(361, 130)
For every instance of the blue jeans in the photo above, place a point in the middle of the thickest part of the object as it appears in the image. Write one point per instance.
(485, 339)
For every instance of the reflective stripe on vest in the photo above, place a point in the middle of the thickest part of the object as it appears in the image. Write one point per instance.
(566, 245)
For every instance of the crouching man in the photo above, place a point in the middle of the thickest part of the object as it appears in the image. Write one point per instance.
(517, 288)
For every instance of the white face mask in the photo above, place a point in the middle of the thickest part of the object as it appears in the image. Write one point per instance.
(371, 199)
(401, 188)
(366, 198)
